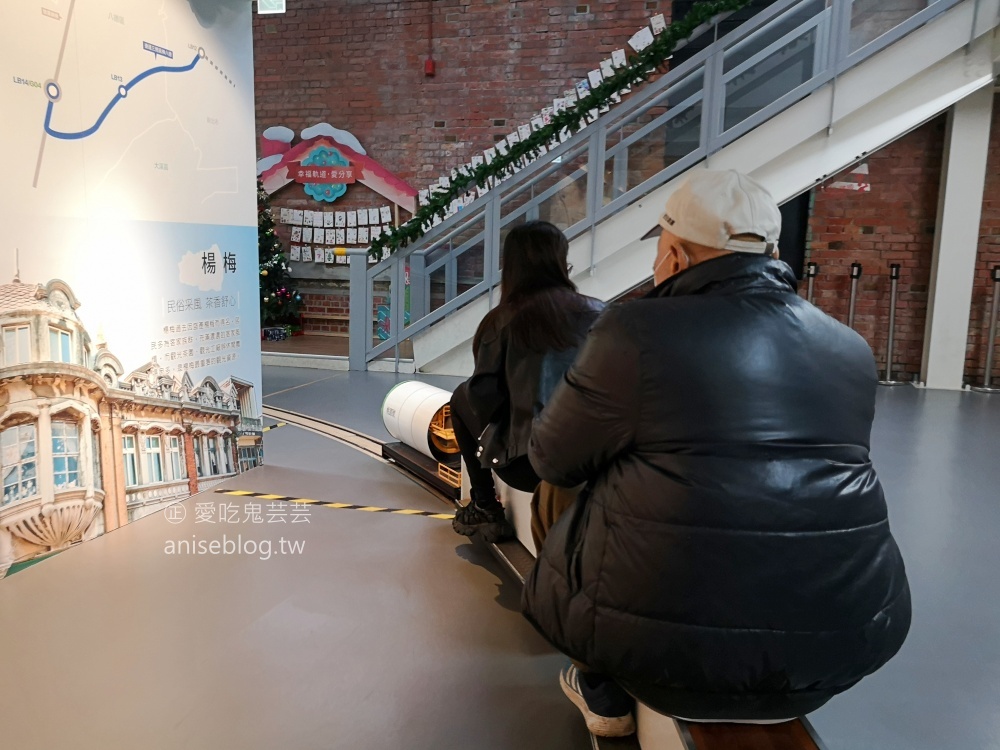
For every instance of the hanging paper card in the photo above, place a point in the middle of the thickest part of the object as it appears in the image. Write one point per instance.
(595, 78)
(352, 236)
(618, 58)
(423, 197)
(352, 218)
(330, 255)
(607, 68)
(373, 216)
(362, 217)
(296, 234)
(659, 23)
(296, 216)
(318, 256)
(537, 123)
(286, 215)
(641, 39)
(523, 131)
(341, 237)
(582, 89)
(307, 254)
(386, 214)
(307, 234)
(375, 232)
(327, 219)
(331, 236)
(295, 252)
(363, 236)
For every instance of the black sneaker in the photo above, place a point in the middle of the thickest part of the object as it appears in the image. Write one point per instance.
(605, 705)
(490, 523)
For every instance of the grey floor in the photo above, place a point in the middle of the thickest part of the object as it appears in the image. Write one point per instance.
(389, 631)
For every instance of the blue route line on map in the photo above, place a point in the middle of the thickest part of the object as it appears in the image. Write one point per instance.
(111, 105)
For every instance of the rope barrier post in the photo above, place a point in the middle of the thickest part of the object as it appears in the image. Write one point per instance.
(991, 339)
(812, 269)
(855, 277)
(894, 278)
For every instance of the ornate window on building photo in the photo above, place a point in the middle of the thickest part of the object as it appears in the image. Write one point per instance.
(154, 460)
(175, 458)
(131, 468)
(16, 345)
(20, 469)
(60, 346)
(65, 455)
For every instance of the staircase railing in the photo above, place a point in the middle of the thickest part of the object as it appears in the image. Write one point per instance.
(781, 55)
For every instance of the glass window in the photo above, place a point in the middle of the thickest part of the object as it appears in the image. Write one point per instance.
(59, 345)
(16, 345)
(175, 457)
(20, 474)
(65, 455)
(197, 457)
(96, 442)
(213, 455)
(128, 449)
(154, 459)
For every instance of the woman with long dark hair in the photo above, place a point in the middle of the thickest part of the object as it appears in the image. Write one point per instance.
(522, 349)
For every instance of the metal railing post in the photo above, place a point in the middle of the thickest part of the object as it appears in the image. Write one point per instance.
(855, 277)
(894, 277)
(418, 285)
(595, 185)
(812, 270)
(713, 101)
(359, 327)
(991, 339)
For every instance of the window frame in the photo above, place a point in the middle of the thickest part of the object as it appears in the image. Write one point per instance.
(67, 456)
(21, 464)
(58, 334)
(154, 459)
(129, 460)
(19, 358)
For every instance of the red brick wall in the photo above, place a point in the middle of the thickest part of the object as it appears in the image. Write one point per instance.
(333, 301)
(894, 223)
(359, 65)
(988, 257)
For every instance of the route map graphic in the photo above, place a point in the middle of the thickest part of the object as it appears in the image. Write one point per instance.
(131, 107)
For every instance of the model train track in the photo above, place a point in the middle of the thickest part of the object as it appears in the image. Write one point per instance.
(366, 444)
(351, 438)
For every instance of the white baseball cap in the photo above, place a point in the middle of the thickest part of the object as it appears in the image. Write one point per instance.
(712, 207)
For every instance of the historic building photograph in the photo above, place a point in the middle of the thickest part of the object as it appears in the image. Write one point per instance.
(85, 448)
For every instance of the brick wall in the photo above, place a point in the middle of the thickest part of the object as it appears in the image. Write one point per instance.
(359, 65)
(987, 258)
(894, 223)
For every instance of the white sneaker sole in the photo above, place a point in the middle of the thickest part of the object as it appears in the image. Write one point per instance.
(602, 726)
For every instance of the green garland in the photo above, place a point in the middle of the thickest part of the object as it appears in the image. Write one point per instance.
(640, 67)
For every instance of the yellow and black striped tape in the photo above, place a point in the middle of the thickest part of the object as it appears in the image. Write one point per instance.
(338, 506)
(275, 426)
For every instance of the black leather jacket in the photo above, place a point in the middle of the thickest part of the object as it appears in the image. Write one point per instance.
(511, 384)
(731, 555)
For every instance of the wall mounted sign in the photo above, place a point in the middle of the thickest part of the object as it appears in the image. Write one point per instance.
(325, 161)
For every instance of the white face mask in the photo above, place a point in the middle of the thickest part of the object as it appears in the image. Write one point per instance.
(656, 266)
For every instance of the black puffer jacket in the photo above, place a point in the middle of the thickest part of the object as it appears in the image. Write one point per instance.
(731, 555)
(511, 383)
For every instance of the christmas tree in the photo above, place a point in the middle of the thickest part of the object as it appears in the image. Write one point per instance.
(279, 302)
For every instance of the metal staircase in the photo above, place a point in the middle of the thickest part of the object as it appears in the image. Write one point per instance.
(797, 93)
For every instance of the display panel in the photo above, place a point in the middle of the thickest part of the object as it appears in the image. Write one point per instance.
(130, 363)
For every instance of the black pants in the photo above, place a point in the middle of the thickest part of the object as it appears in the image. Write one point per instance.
(518, 474)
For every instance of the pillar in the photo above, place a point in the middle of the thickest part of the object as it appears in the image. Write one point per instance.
(189, 462)
(45, 466)
(115, 456)
(956, 242)
(113, 486)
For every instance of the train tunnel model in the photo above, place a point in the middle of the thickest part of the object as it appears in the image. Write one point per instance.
(418, 415)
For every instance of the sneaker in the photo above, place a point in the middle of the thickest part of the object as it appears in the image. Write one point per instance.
(489, 523)
(605, 705)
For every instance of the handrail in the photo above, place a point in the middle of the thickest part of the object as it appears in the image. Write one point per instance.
(480, 224)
